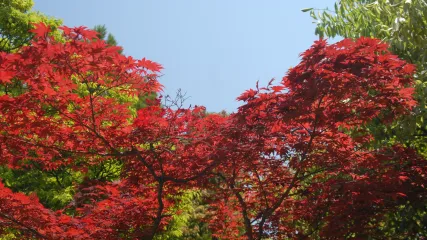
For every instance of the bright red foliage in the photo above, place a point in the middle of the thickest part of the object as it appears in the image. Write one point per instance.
(295, 160)
(283, 166)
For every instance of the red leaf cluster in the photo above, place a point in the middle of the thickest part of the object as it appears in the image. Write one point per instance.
(283, 166)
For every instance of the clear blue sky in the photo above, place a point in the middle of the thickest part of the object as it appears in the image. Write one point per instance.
(211, 49)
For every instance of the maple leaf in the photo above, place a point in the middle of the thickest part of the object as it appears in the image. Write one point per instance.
(66, 30)
(277, 88)
(86, 33)
(409, 69)
(49, 91)
(403, 178)
(150, 65)
(40, 29)
(248, 94)
(401, 194)
(6, 76)
(406, 93)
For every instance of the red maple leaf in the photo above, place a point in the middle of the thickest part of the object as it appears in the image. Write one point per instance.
(6, 76)
(40, 29)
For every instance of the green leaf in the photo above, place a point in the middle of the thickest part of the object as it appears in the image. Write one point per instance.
(306, 9)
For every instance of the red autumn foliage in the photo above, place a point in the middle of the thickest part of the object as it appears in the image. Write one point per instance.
(284, 166)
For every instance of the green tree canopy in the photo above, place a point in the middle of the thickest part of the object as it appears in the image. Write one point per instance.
(105, 35)
(16, 17)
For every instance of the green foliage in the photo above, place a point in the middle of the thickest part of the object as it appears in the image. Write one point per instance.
(106, 171)
(141, 101)
(102, 31)
(55, 189)
(16, 17)
(104, 35)
(9, 234)
(401, 23)
(407, 223)
(187, 218)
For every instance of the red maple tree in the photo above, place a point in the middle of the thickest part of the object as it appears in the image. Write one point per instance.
(292, 162)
